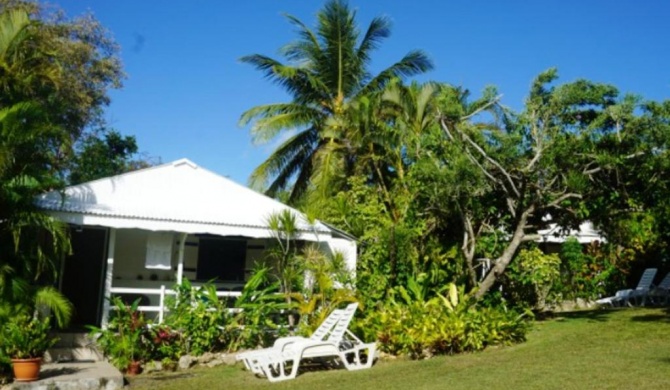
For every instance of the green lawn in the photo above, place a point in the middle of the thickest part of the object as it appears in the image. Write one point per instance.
(607, 349)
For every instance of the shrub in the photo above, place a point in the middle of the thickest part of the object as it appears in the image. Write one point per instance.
(530, 278)
(442, 325)
(200, 317)
(584, 274)
(167, 345)
(328, 286)
(259, 322)
(126, 338)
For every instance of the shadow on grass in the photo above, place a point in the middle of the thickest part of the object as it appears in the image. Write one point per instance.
(656, 317)
(166, 377)
(600, 315)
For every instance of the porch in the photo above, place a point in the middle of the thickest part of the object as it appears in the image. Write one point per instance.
(118, 262)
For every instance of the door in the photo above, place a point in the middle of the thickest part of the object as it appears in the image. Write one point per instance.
(82, 275)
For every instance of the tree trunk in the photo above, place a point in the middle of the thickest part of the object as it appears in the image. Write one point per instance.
(468, 248)
(393, 257)
(503, 261)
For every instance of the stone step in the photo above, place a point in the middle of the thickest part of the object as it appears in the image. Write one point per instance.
(78, 354)
(73, 340)
(71, 376)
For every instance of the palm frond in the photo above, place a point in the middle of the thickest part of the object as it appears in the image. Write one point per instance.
(56, 303)
(271, 119)
(340, 67)
(301, 166)
(414, 63)
(282, 162)
(307, 48)
(378, 29)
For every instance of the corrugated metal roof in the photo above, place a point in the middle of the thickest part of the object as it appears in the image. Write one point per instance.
(178, 192)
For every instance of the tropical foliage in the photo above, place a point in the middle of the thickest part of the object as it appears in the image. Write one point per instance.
(445, 324)
(198, 321)
(436, 184)
(54, 78)
(126, 337)
(328, 78)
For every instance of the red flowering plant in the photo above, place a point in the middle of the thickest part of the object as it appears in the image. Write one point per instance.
(166, 343)
(126, 338)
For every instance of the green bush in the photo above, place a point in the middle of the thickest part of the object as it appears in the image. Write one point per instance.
(584, 274)
(441, 325)
(200, 317)
(260, 321)
(25, 337)
(530, 278)
(126, 338)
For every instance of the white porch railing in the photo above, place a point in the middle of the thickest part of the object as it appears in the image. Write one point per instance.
(162, 292)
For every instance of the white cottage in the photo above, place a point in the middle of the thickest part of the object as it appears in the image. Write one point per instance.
(141, 232)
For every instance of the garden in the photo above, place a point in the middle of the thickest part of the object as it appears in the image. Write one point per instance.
(603, 349)
(445, 194)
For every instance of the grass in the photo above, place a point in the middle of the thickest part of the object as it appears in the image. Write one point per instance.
(605, 349)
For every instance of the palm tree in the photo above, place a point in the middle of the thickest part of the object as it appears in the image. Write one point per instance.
(325, 73)
(26, 64)
(31, 241)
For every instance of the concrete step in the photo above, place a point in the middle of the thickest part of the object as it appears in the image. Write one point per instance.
(79, 354)
(73, 340)
(71, 376)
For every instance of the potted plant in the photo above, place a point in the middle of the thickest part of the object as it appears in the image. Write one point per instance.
(25, 339)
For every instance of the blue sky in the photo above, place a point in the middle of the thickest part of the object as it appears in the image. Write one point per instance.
(186, 88)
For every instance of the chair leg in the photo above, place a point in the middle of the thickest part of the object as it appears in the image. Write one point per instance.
(356, 361)
(274, 367)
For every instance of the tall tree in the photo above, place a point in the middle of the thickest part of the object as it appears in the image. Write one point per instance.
(65, 65)
(535, 164)
(54, 78)
(105, 153)
(326, 70)
(631, 178)
(453, 191)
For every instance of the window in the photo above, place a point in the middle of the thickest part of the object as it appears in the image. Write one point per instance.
(221, 259)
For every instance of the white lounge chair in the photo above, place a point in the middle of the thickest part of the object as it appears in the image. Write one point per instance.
(283, 364)
(328, 331)
(661, 292)
(624, 297)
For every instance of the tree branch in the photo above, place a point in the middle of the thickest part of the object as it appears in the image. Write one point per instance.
(488, 158)
(563, 197)
(491, 102)
(531, 237)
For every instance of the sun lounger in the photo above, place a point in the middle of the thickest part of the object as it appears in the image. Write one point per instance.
(332, 330)
(626, 297)
(350, 351)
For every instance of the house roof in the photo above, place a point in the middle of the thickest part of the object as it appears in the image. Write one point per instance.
(178, 196)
